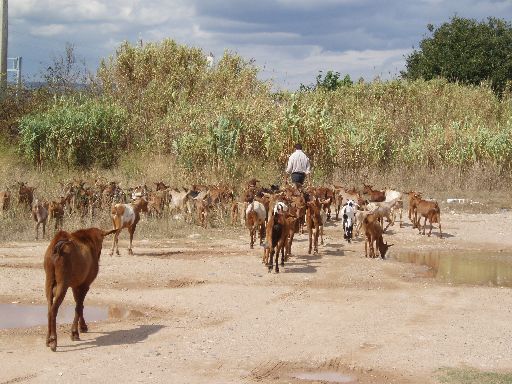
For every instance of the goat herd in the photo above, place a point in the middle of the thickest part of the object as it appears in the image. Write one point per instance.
(274, 214)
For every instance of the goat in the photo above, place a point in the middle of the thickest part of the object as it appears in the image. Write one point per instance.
(179, 201)
(314, 223)
(25, 195)
(413, 198)
(126, 216)
(201, 205)
(275, 242)
(430, 211)
(384, 209)
(56, 212)
(373, 233)
(5, 200)
(374, 195)
(358, 220)
(391, 195)
(71, 260)
(292, 226)
(156, 202)
(160, 186)
(342, 195)
(40, 216)
(255, 220)
(238, 212)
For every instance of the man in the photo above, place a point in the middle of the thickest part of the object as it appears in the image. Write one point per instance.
(298, 166)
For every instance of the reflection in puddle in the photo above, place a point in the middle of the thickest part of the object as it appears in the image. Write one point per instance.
(330, 377)
(458, 267)
(25, 316)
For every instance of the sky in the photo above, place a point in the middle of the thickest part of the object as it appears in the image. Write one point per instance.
(290, 41)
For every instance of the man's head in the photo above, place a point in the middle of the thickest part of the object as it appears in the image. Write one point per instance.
(298, 146)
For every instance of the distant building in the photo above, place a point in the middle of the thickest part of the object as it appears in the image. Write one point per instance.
(210, 60)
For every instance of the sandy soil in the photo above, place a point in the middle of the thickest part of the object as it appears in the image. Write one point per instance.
(203, 309)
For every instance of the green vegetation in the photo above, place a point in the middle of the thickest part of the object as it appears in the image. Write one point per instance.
(162, 101)
(473, 376)
(74, 132)
(465, 51)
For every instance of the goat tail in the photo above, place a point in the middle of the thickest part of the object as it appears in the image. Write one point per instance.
(57, 249)
(106, 233)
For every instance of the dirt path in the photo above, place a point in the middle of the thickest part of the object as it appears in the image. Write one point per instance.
(203, 309)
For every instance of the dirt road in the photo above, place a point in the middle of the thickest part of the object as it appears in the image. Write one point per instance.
(203, 309)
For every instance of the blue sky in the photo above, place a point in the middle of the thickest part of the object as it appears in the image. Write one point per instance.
(289, 40)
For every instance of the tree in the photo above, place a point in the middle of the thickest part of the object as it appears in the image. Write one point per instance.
(67, 72)
(331, 81)
(465, 51)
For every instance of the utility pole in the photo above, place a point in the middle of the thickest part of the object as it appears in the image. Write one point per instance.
(3, 48)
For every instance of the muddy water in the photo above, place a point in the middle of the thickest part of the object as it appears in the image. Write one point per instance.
(329, 377)
(457, 267)
(24, 316)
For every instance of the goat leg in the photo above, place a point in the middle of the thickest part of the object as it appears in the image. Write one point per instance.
(271, 261)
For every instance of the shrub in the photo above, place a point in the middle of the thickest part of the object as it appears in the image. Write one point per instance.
(75, 132)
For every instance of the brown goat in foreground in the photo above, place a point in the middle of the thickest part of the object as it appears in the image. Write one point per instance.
(71, 260)
(373, 232)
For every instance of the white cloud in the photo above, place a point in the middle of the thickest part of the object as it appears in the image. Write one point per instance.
(291, 40)
(48, 30)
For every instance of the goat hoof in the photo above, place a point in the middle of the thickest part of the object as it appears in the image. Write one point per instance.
(75, 336)
(52, 343)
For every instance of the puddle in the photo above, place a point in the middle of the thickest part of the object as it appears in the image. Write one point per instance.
(458, 267)
(25, 316)
(330, 377)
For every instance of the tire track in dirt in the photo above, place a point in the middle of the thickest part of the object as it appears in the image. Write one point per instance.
(267, 370)
(20, 379)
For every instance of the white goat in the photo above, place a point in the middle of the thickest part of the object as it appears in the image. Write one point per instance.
(255, 215)
(391, 195)
(384, 209)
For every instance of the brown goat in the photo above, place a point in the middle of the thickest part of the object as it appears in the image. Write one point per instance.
(276, 238)
(56, 212)
(40, 216)
(71, 260)
(430, 211)
(374, 195)
(314, 223)
(25, 195)
(413, 199)
(373, 232)
(5, 200)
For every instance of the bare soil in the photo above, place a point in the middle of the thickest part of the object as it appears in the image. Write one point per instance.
(203, 309)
